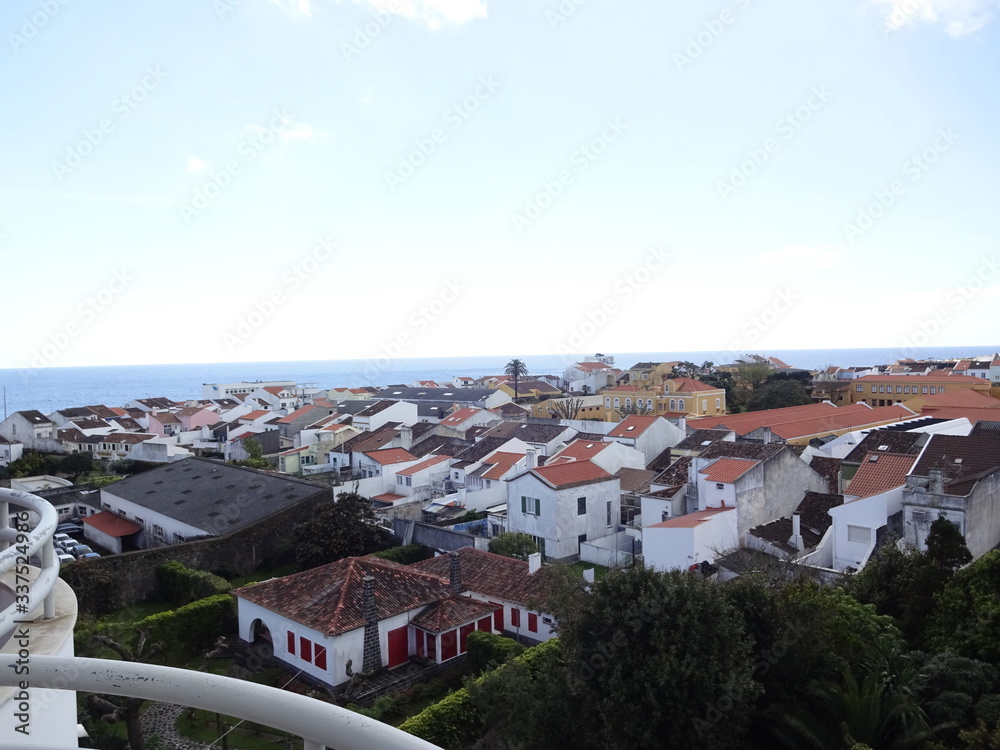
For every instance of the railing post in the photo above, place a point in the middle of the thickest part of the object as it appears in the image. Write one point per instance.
(49, 561)
(4, 522)
(312, 745)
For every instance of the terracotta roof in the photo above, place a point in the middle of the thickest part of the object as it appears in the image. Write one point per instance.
(690, 520)
(578, 450)
(371, 440)
(963, 459)
(451, 613)
(329, 598)
(298, 414)
(880, 472)
(572, 474)
(829, 469)
(500, 463)
(923, 379)
(257, 414)
(388, 497)
(274, 389)
(959, 412)
(632, 426)
(966, 398)
(676, 474)
(112, 524)
(425, 464)
(754, 451)
(591, 366)
(529, 433)
(814, 520)
(459, 416)
(386, 456)
(165, 417)
(801, 421)
(491, 575)
(688, 385)
(727, 470)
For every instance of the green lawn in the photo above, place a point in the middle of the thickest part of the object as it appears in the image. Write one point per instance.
(263, 575)
(599, 570)
(246, 736)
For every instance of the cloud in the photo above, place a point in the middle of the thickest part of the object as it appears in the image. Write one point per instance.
(194, 164)
(299, 131)
(822, 257)
(958, 17)
(294, 8)
(432, 13)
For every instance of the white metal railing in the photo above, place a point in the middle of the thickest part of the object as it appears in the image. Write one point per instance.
(18, 544)
(319, 724)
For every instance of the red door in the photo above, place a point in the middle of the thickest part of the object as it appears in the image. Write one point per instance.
(399, 646)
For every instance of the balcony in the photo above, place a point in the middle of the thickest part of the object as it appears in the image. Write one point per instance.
(39, 675)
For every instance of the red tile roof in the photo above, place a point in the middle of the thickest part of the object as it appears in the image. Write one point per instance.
(691, 520)
(880, 472)
(425, 464)
(727, 470)
(632, 426)
(297, 414)
(387, 456)
(388, 497)
(491, 575)
(255, 415)
(687, 385)
(968, 380)
(959, 412)
(966, 398)
(457, 417)
(578, 450)
(572, 474)
(500, 463)
(112, 524)
(452, 613)
(591, 366)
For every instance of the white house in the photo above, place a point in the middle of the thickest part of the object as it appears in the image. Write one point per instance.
(32, 429)
(379, 413)
(647, 434)
(610, 456)
(591, 374)
(564, 505)
(683, 542)
(10, 450)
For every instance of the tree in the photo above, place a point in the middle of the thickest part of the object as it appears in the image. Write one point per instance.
(778, 394)
(515, 369)
(76, 465)
(128, 710)
(566, 408)
(638, 407)
(340, 528)
(946, 545)
(513, 544)
(659, 660)
(255, 455)
(966, 617)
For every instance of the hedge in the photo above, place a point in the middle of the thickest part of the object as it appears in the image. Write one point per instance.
(195, 626)
(406, 554)
(454, 722)
(488, 651)
(182, 585)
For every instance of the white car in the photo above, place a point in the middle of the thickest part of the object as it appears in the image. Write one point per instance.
(64, 558)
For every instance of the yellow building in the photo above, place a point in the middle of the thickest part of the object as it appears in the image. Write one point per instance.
(687, 396)
(647, 373)
(884, 390)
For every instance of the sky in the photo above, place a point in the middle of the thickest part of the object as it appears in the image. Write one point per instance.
(256, 180)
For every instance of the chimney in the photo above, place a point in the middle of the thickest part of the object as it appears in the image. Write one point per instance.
(455, 574)
(534, 563)
(372, 648)
(767, 435)
(405, 437)
(796, 540)
(935, 479)
(529, 459)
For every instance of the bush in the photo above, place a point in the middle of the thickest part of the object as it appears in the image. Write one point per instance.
(406, 554)
(451, 723)
(488, 651)
(195, 626)
(182, 585)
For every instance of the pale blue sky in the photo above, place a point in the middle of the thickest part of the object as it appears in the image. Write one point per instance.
(737, 139)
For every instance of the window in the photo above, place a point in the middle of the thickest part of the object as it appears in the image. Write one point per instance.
(609, 512)
(581, 506)
(704, 404)
(673, 404)
(607, 403)
(906, 389)
(719, 485)
(515, 617)
(649, 403)
(628, 403)
(933, 390)
(530, 506)
(157, 531)
(665, 515)
(923, 389)
(532, 622)
(581, 539)
(860, 534)
(305, 649)
(106, 506)
(178, 539)
(680, 404)
(618, 403)
(874, 389)
(859, 388)
(881, 389)
(139, 521)
(718, 403)
(291, 642)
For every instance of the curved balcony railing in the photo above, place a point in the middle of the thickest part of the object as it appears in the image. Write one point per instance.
(26, 550)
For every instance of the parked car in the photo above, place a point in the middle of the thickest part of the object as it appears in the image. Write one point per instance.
(70, 527)
(80, 550)
(61, 538)
(88, 556)
(67, 544)
(65, 558)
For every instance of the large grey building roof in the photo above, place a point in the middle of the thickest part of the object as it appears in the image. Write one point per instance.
(217, 497)
(448, 395)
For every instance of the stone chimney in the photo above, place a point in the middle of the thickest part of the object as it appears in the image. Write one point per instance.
(372, 648)
(529, 459)
(935, 481)
(405, 437)
(455, 574)
(796, 539)
(534, 563)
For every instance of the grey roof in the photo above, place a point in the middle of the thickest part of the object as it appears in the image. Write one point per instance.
(701, 439)
(447, 395)
(528, 432)
(481, 449)
(217, 497)
(894, 441)
(374, 407)
(34, 416)
(352, 406)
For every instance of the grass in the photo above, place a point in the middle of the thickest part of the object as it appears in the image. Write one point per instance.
(201, 726)
(263, 575)
(578, 567)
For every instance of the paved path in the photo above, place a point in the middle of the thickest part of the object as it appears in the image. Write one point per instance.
(161, 719)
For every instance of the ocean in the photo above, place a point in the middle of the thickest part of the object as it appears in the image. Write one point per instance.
(48, 389)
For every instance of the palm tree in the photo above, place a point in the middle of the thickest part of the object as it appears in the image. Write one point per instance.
(516, 369)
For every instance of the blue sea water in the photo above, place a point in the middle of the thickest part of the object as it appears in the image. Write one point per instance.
(48, 389)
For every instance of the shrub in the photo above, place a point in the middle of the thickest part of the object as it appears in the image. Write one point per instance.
(182, 585)
(451, 723)
(488, 651)
(195, 626)
(406, 554)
